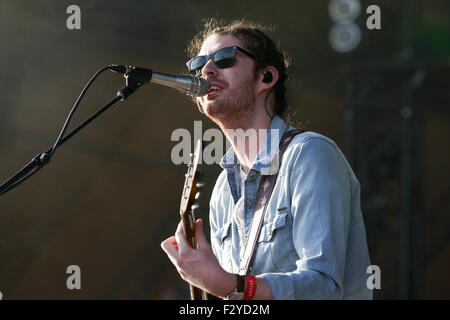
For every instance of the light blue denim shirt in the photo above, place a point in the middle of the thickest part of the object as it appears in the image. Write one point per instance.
(312, 244)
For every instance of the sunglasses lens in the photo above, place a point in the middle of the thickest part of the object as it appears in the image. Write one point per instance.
(224, 58)
(196, 64)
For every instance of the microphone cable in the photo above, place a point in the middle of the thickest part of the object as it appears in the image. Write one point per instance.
(74, 108)
(43, 158)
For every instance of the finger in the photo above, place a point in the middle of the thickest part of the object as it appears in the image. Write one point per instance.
(172, 241)
(200, 235)
(183, 245)
(170, 246)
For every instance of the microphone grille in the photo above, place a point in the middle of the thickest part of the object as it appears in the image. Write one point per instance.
(203, 86)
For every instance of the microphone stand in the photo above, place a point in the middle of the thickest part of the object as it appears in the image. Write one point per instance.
(41, 159)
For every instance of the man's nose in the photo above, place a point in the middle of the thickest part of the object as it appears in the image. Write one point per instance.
(209, 69)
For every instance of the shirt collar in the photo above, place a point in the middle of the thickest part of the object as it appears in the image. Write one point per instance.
(267, 161)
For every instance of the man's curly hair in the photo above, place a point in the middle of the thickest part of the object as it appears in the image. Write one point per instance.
(252, 35)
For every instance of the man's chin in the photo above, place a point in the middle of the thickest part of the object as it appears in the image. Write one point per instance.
(215, 110)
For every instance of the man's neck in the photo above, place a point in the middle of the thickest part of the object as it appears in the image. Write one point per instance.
(247, 137)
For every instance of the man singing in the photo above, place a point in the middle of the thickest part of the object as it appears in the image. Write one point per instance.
(312, 243)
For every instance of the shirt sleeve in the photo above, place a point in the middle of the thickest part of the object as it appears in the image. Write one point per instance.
(320, 193)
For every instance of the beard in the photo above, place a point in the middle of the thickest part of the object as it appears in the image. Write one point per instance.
(235, 108)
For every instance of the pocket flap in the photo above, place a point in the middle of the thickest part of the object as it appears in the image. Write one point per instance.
(269, 227)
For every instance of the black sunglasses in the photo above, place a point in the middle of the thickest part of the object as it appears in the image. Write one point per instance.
(222, 58)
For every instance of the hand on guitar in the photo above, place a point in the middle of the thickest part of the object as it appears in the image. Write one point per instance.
(199, 266)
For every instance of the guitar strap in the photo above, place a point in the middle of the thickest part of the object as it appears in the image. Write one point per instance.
(262, 199)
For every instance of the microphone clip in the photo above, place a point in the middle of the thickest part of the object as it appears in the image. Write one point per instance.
(137, 76)
(134, 78)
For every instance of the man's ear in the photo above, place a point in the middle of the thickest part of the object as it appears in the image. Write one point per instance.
(267, 78)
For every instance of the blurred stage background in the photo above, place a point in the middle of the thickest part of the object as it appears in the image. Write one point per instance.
(111, 194)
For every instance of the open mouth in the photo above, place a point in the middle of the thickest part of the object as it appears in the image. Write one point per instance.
(213, 89)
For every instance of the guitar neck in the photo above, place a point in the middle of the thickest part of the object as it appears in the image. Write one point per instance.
(190, 194)
(197, 293)
(188, 222)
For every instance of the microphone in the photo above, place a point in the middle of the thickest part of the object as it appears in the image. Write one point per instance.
(190, 85)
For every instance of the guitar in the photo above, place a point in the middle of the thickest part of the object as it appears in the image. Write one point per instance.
(191, 193)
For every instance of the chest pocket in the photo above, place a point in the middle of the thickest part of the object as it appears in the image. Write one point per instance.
(275, 249)
(271, 227)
